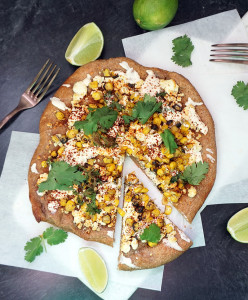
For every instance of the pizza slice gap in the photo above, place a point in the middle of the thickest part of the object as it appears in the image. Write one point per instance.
(148, 239)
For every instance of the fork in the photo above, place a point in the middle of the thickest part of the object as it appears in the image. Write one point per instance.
(36, 90)
(231, 53)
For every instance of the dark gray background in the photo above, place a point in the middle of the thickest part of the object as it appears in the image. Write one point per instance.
(32, 31)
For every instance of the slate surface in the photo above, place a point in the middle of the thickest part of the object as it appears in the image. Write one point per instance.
(33, 30)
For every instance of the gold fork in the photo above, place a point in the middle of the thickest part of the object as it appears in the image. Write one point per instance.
(231, 53)
(36, 90)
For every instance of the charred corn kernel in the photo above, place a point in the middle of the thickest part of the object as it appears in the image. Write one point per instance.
(106, 73)
(110, 167)
(93, 218)
(148, 165)
(62, 202)
(90, 161)
(150, 205)
(185, 127)
(119, 95)
(150, 244)
(71, 133)
(93, 85)
(107, 160)
(124, 148)
(164, 167)
(160, 222)
(101, 205)
(169, 155)
(174, 198)
(59, 115)
(129, 151)
(129, 222)
(54, 154)
(44, 164)
(137, 189)
(146, 130)
(109, 86)
(121, 212)
(70, 205)
(128, 199)
(160, 172)
(92, 105)
(180, 185)
(117, 202)
(119, 168)
(144, 190)
(96, 96)
(178, 135)
(155, 115)
(157, 121)
(172, 165)
(166, 160)
(164, 201)
(61, 150)
(190, 146)
(84, 207)
(55, 139)
(169, 228)
(79, 144)
(174, 129)
(156, 212)
(106, 197)
(132, 96)
(106, 219)
(168, 210)
(111, 191)
(184, 140)
(166, 179)
(109, 208)
(167, 194)
(162, 118)
(180, 167)
(145, 198)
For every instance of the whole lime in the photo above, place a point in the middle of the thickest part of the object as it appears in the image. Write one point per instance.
(154, 14)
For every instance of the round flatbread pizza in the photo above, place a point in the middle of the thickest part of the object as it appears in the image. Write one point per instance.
(105, 111)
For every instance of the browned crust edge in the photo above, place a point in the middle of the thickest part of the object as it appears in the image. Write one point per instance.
(65, 95)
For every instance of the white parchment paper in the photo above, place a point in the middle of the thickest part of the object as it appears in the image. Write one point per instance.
(214, 82)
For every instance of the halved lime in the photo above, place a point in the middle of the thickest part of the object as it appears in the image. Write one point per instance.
(94, 269)
(85, 46)
(238, 226)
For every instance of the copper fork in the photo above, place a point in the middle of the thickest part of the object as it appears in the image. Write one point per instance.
(36, 90)
(231, 53)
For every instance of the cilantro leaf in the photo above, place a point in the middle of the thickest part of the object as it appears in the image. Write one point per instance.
(61, 177)
(104, 117)
(169, 140)
(143, 110)
(240, 93)
(92, 208)
(54, 236)
(116, 105)
(195, 173)
(128, 119)
(33, 248)
(175, 178)
(182, 49)
(151, 234)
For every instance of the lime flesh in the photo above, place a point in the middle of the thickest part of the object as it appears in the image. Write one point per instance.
(154, 14)
(238, 226)
(93, 268)
(86, 45)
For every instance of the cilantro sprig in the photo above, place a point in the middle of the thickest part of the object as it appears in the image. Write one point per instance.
(182, 48)
(143, 110)
(240, 93)
(151, 234)
(61, 177)
(36, 245)
(169, 140)
(195, 173)
(103, 117)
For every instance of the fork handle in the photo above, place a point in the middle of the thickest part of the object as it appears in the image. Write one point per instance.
(11, 115)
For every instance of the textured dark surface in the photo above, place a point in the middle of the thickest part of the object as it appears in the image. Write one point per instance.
(33, 30)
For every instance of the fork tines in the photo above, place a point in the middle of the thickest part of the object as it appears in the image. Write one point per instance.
(234, 53)
(41, 83)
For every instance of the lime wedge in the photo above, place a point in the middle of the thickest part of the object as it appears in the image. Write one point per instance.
(85, 46)
(94, 269)
(238, 226)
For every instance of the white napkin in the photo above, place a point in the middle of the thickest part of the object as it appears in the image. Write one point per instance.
(214, 82)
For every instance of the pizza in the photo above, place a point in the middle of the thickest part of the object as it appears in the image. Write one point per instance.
(149, 239)
(105, 111)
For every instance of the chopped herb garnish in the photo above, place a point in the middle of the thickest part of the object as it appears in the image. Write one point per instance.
(240, 93)
(151, 234)
(169, 140)
(182, 48)
(195, 173)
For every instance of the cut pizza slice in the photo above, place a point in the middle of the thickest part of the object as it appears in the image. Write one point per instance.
(149, 239)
